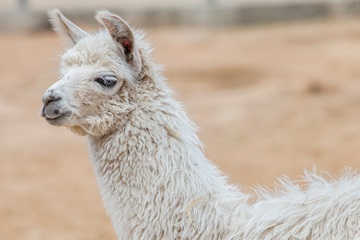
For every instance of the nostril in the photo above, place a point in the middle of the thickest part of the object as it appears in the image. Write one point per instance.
(54, 98)
(51, 96)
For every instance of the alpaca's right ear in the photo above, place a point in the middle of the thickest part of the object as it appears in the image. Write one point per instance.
(65, 27)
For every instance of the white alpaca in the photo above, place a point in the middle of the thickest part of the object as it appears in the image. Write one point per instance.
(154, 179)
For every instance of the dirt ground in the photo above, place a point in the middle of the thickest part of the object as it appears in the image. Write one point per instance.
(269, 101)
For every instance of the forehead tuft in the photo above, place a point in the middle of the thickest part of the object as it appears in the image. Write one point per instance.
(91, 50)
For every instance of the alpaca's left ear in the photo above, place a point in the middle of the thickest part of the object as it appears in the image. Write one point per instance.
(122, 35)
(65, 27)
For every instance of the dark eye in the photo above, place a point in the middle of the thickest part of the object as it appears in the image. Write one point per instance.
(106, 81)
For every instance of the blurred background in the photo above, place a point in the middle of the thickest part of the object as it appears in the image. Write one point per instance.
(274, 87)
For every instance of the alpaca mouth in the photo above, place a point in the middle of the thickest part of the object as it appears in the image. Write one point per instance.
(58, 120)
(54, 117)
(57, 117)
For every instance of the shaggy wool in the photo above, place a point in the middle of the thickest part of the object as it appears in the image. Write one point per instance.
(154, 179)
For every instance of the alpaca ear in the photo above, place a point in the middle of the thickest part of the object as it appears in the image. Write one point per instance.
(122, 35)
(65, 27)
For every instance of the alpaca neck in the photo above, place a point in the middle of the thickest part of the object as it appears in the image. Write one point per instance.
(152, 170)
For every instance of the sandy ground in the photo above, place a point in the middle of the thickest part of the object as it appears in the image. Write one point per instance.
(269, 101)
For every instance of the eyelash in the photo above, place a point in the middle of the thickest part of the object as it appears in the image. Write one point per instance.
(106, 81)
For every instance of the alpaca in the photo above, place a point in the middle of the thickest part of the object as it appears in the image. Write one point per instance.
(154, 179)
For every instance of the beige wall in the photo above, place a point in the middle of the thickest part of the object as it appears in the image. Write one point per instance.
(7, 5)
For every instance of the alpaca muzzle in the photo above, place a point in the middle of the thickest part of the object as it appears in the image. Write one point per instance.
(52, 109)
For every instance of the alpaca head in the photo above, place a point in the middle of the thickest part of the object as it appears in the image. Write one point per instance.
(96, 77)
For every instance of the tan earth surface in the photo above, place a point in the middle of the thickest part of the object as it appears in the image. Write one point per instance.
(269, 101)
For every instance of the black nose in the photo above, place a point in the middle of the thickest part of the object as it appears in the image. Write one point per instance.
(50, 96)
